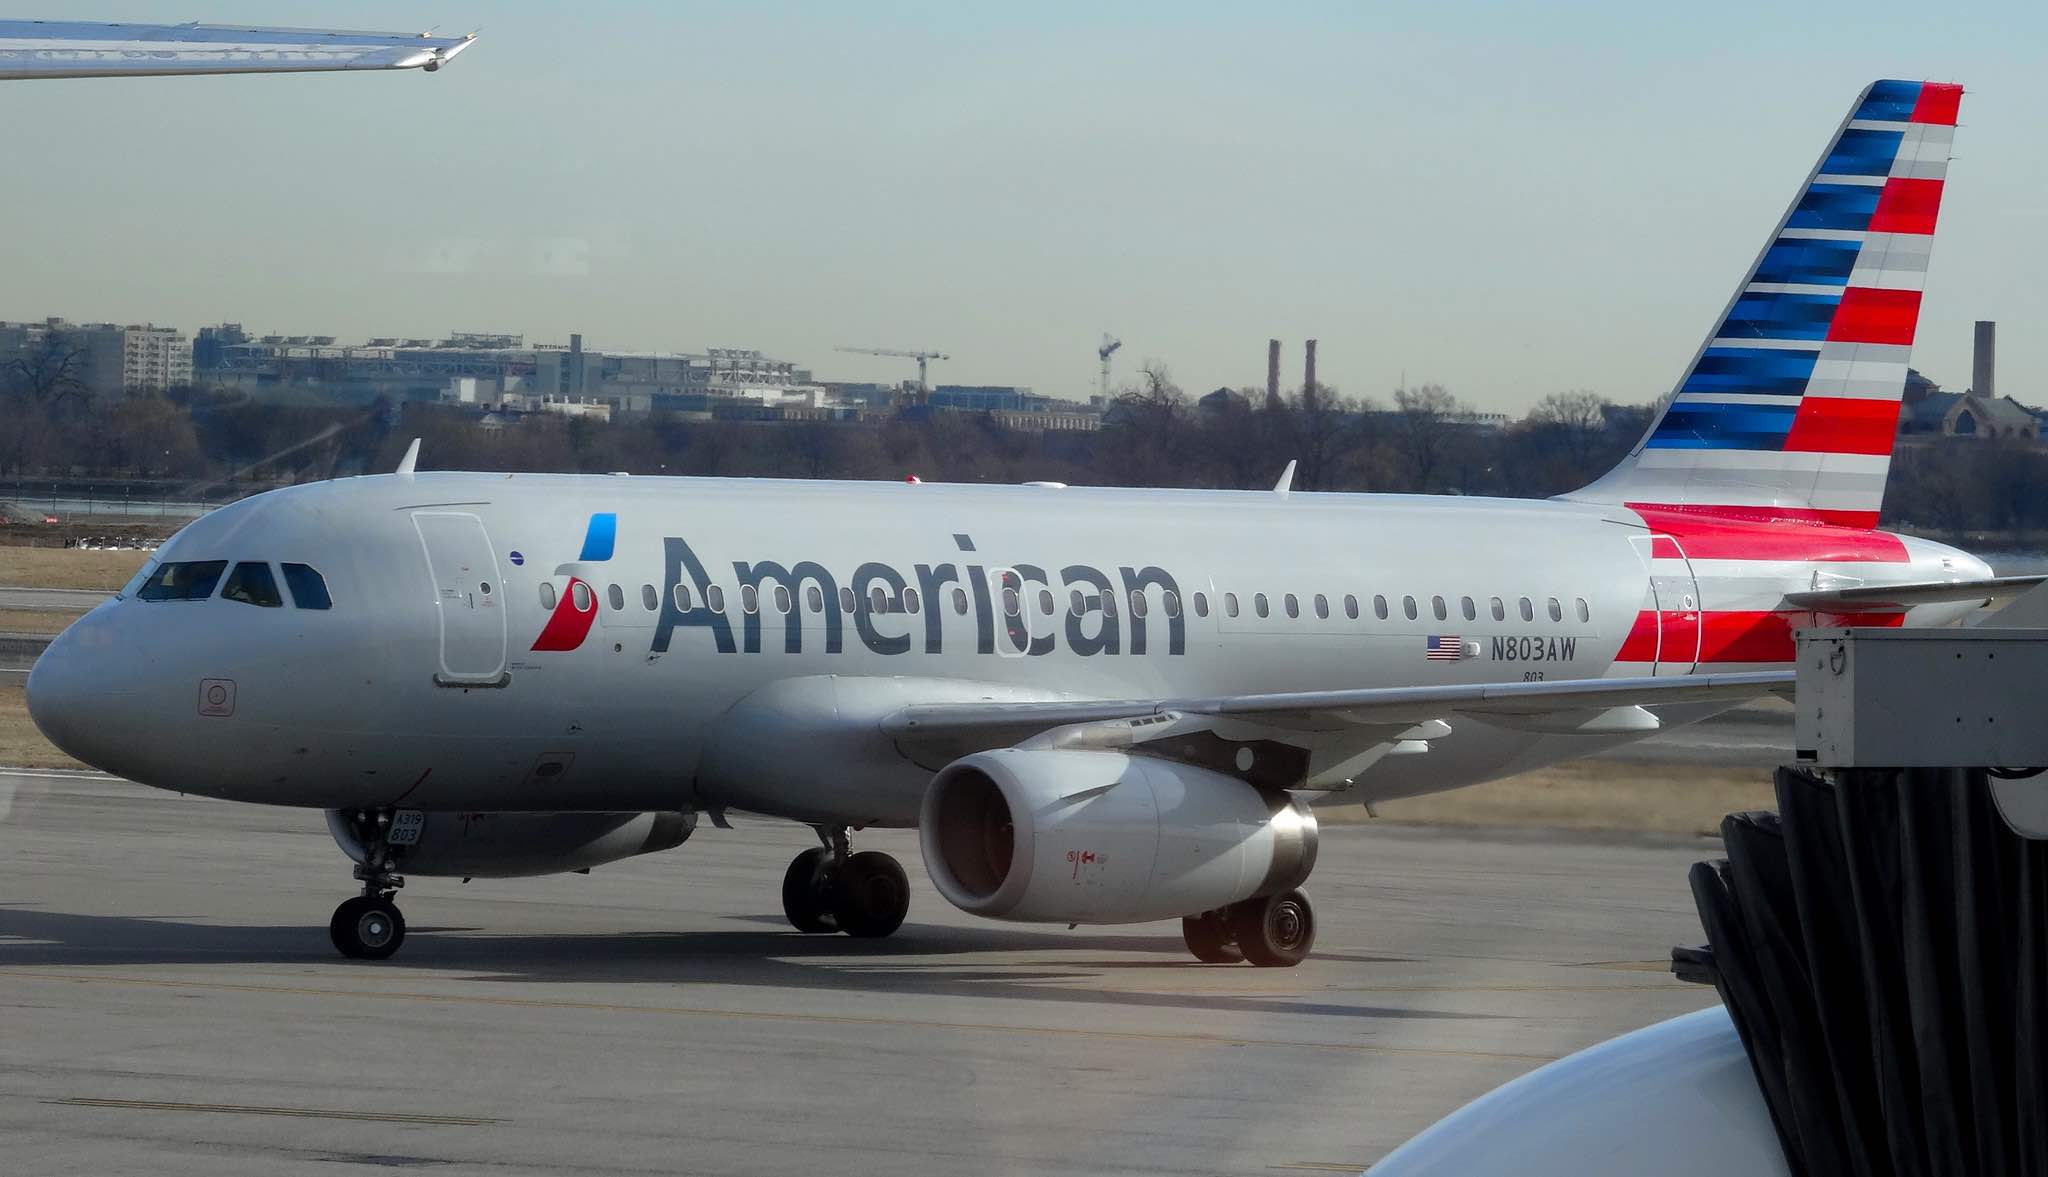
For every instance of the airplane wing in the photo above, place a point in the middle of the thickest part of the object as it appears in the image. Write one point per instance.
(1901, 596)
(83, 49)
(1337, 733)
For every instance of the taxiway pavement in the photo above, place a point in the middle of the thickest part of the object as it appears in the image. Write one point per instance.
(169, 1003)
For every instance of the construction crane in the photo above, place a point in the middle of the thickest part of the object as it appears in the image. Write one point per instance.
(1108, 349)
(922, 357)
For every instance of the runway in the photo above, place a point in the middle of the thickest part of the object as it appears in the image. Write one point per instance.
(55, 600)
(170, 1004)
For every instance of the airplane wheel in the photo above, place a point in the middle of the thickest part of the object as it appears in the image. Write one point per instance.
(1208, 937)
(873, 895)
(366, 928)
(804, 892)
(1276, 931)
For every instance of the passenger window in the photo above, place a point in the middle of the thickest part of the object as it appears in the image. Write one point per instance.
(846, 601)
(547, 594)
(960, 601)
(1556, 610)
(1379, 606)
(910, 602)
(682, 595)
(1351, 606)
(1322, 606)
(1012, 603)
(782, 598)
(252, 584)
(1046, 604)
(1408, 607)
(1585, 614)
(878, 599)
(617, 596)
(1500, 610)
(1468, 609)
(815, 598)
(191, 580)
(1293, 605)
(309, 588)
(714, 599)
(1109, 604)
(1436, 606)
(1230, 604)
(649, 599)
(1076, 604)
(1259, 604)
(750, 599)
(1138, 603)
(1528, 610)
(579, 597)
(1201, 604)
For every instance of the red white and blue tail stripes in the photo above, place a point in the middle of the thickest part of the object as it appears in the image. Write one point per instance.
(1790, 407)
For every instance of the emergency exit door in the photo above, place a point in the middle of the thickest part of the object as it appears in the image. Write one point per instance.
(467, 595)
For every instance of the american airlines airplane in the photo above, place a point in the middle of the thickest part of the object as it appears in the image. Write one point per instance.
(32, 49)
(1095, 705)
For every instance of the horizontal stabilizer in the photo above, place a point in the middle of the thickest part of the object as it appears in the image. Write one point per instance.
(1905, 596)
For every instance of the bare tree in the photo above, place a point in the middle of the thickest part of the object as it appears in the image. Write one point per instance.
(1425, 423)
(49, 377)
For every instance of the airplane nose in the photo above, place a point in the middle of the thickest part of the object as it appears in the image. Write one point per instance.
(71, 688)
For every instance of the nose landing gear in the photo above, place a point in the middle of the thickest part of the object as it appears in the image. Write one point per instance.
(830, 889)
(369, 926)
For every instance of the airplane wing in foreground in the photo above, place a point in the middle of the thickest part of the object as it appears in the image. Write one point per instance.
(1336, 733)
(83, 49)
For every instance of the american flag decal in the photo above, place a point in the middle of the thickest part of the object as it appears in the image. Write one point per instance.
(1443, 649)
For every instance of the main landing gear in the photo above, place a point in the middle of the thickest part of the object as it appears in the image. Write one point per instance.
(369, 926)
(1274, 931)
(831, 889)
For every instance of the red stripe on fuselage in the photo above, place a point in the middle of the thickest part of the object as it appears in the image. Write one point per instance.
(1744, 636)
(1938, 103)
(1843, 425)
(1767, 533)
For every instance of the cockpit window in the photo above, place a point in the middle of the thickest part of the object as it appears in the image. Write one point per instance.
(251, 583)
(309, 589)
(184, 580)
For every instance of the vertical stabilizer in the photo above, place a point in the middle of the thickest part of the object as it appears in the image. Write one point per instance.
(1789, 408)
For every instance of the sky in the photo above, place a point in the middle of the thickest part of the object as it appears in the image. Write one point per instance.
(1506, 199)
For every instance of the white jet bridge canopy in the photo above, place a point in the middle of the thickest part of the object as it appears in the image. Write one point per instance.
(85, 49)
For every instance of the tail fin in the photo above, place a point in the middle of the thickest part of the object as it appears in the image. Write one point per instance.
(1790, 407)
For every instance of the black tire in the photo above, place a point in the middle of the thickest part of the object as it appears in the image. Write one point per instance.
(872, 895)
(804, 892)
(1276, 931)
(1208, 937)
(367, 929)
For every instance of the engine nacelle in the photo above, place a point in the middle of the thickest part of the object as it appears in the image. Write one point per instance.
(1069, 836)
(513, 845)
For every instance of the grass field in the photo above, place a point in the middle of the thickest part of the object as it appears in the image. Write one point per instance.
(42, 621)
(21, 745)
(70, 568)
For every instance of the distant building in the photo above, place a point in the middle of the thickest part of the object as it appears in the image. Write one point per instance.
(109, 359)
(1965, 414)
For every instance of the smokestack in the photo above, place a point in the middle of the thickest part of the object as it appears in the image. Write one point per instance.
(1272, 370)
(1984, 360)
(1308, 368)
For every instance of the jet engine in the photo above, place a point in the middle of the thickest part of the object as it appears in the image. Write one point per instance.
(1075, 836)
(511, 845)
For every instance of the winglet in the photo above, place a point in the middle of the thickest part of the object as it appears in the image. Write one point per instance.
(411, 459)
(1286, 482)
